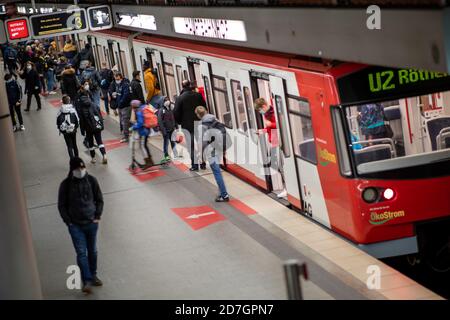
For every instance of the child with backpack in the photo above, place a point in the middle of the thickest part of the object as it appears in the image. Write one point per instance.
(68, 122)
(215, 140)
(166, 123)
(145, 120)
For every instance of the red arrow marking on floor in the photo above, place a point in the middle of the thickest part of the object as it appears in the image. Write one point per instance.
(198, 217)
(144, 176)
(180, 165)
(113, 144)
(55, 103)
(242, 207)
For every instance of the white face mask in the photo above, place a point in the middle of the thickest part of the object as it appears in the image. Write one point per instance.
(167, 103)
(118, 81)
(29, 68)
(79, 173)
(86, 87)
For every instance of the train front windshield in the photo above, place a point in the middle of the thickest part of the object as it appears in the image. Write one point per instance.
(399, 133)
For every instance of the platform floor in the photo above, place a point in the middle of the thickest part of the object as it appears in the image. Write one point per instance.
(146, 249)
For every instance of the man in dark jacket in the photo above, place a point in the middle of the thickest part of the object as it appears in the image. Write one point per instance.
(136, 88)
(94, 77)
(32, 85)
(107, 78)
(121, 94)
(69, 82)
(14, 93)
(80, 204)
(85, 56)
(184, 112)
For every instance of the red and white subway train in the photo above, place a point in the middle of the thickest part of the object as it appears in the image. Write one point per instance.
(365, 149)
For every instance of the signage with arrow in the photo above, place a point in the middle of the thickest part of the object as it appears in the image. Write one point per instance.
(198, 217)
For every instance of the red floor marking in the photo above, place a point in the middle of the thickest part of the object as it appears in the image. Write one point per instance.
(55, 103)
(180, 165)
(113, 144)
(144, 176)
(198, 217)
(242, 207)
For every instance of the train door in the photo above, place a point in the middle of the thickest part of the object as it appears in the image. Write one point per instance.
(157, 62)
(110, 54)
(204, 81)
(290, 182)
(253, 160)
(181, 71)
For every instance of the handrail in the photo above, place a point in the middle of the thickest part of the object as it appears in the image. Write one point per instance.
(389, 140)
(439, 141)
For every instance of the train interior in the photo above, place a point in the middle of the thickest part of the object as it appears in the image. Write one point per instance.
(400, 129)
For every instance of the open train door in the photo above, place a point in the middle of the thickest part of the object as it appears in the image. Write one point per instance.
(287, 176)
(206, 81)
(158, 61)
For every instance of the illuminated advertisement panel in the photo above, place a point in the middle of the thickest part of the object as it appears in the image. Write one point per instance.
(99, 18)
(211, 28)
(138, 21)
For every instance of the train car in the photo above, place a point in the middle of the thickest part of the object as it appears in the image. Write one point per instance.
(364, 149)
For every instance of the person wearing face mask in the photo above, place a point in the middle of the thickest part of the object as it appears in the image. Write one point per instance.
(120, 92)
(166, 123)
(32, 85)
(14, 93)
(80, 204)
(91, 121)
(136, 87)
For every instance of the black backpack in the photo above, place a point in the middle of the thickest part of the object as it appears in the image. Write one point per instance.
(66, 123)
(226, 138)
(167, 118)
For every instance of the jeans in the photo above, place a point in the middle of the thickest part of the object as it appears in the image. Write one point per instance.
(84, 238)
(96, 98)
(16, 109)
(98, 138)
(215, 168)
(125, 115)
(50, 75)
(105, 99)
(71, 143)
(167, 138)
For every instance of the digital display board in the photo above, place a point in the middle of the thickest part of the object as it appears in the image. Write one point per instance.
(17, 29)
(211, 28)
(59, 23)
(138, 21)
(380, 83)
(99, 18)
(2, 8)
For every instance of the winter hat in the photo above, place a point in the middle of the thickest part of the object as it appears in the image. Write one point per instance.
(76, 163)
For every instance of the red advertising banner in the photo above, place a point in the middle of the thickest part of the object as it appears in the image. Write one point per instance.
(17, 29)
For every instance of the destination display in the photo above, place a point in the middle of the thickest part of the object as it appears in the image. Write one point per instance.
(17, 29)
(99, 18)
(59, 23)
(377, 83)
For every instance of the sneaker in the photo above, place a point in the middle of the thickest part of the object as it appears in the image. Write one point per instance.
(93, 160)
(26, 110)
(105, 160)
(87, 288)
(282, 194)
(39, 108)
(52, 92)
(223, 199)
(203, 166)
(124, 140)
(16, 128)
(97, 282)
(193, 169)
(22, 128)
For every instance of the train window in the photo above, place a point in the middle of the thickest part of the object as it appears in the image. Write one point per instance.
(239, 107)
(179, 77)
(123, 61)
(161, 82)
(249, 106)
(282, 126)
(221, 101)
(198, 75)
(341, 144)
(185, 75)
(170, 81)
(301, 129)
(209, 104)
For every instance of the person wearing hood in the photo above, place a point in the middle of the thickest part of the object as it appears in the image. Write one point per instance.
(120, 93)
(69, 82)
(68, 122)
(143, 132)
(32, 85)
(14, 93)
(213, 147)
(80, 204)
(167, 125)
(84, 57)
(69, 50)
(91, 121)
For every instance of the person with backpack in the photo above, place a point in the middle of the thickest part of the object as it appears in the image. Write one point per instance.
(136, 87)
(84, 58)
(32, 85)
(80, 205)
(91, 121)
(145, 120)
(10, 55)
(69, 82)
(93, 76)
(67, 122)
(122, 97)
(14, 93)
(107, 77)
(214, 142)
(166, 123)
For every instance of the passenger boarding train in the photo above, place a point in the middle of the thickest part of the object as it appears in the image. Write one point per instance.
(365, 149)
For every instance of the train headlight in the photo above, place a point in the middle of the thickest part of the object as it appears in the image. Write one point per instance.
(370, 195)
(388, 194)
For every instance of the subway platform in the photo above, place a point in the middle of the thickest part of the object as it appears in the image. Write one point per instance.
(162, 236)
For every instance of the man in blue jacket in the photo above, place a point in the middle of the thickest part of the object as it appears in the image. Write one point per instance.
(122, 98)
(14, 93)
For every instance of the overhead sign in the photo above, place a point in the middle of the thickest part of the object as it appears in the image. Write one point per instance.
(99, 18)
(17, 29)
(2, 9)
(211, 28)
(198, 217)
(138, 21)
(59, 23)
